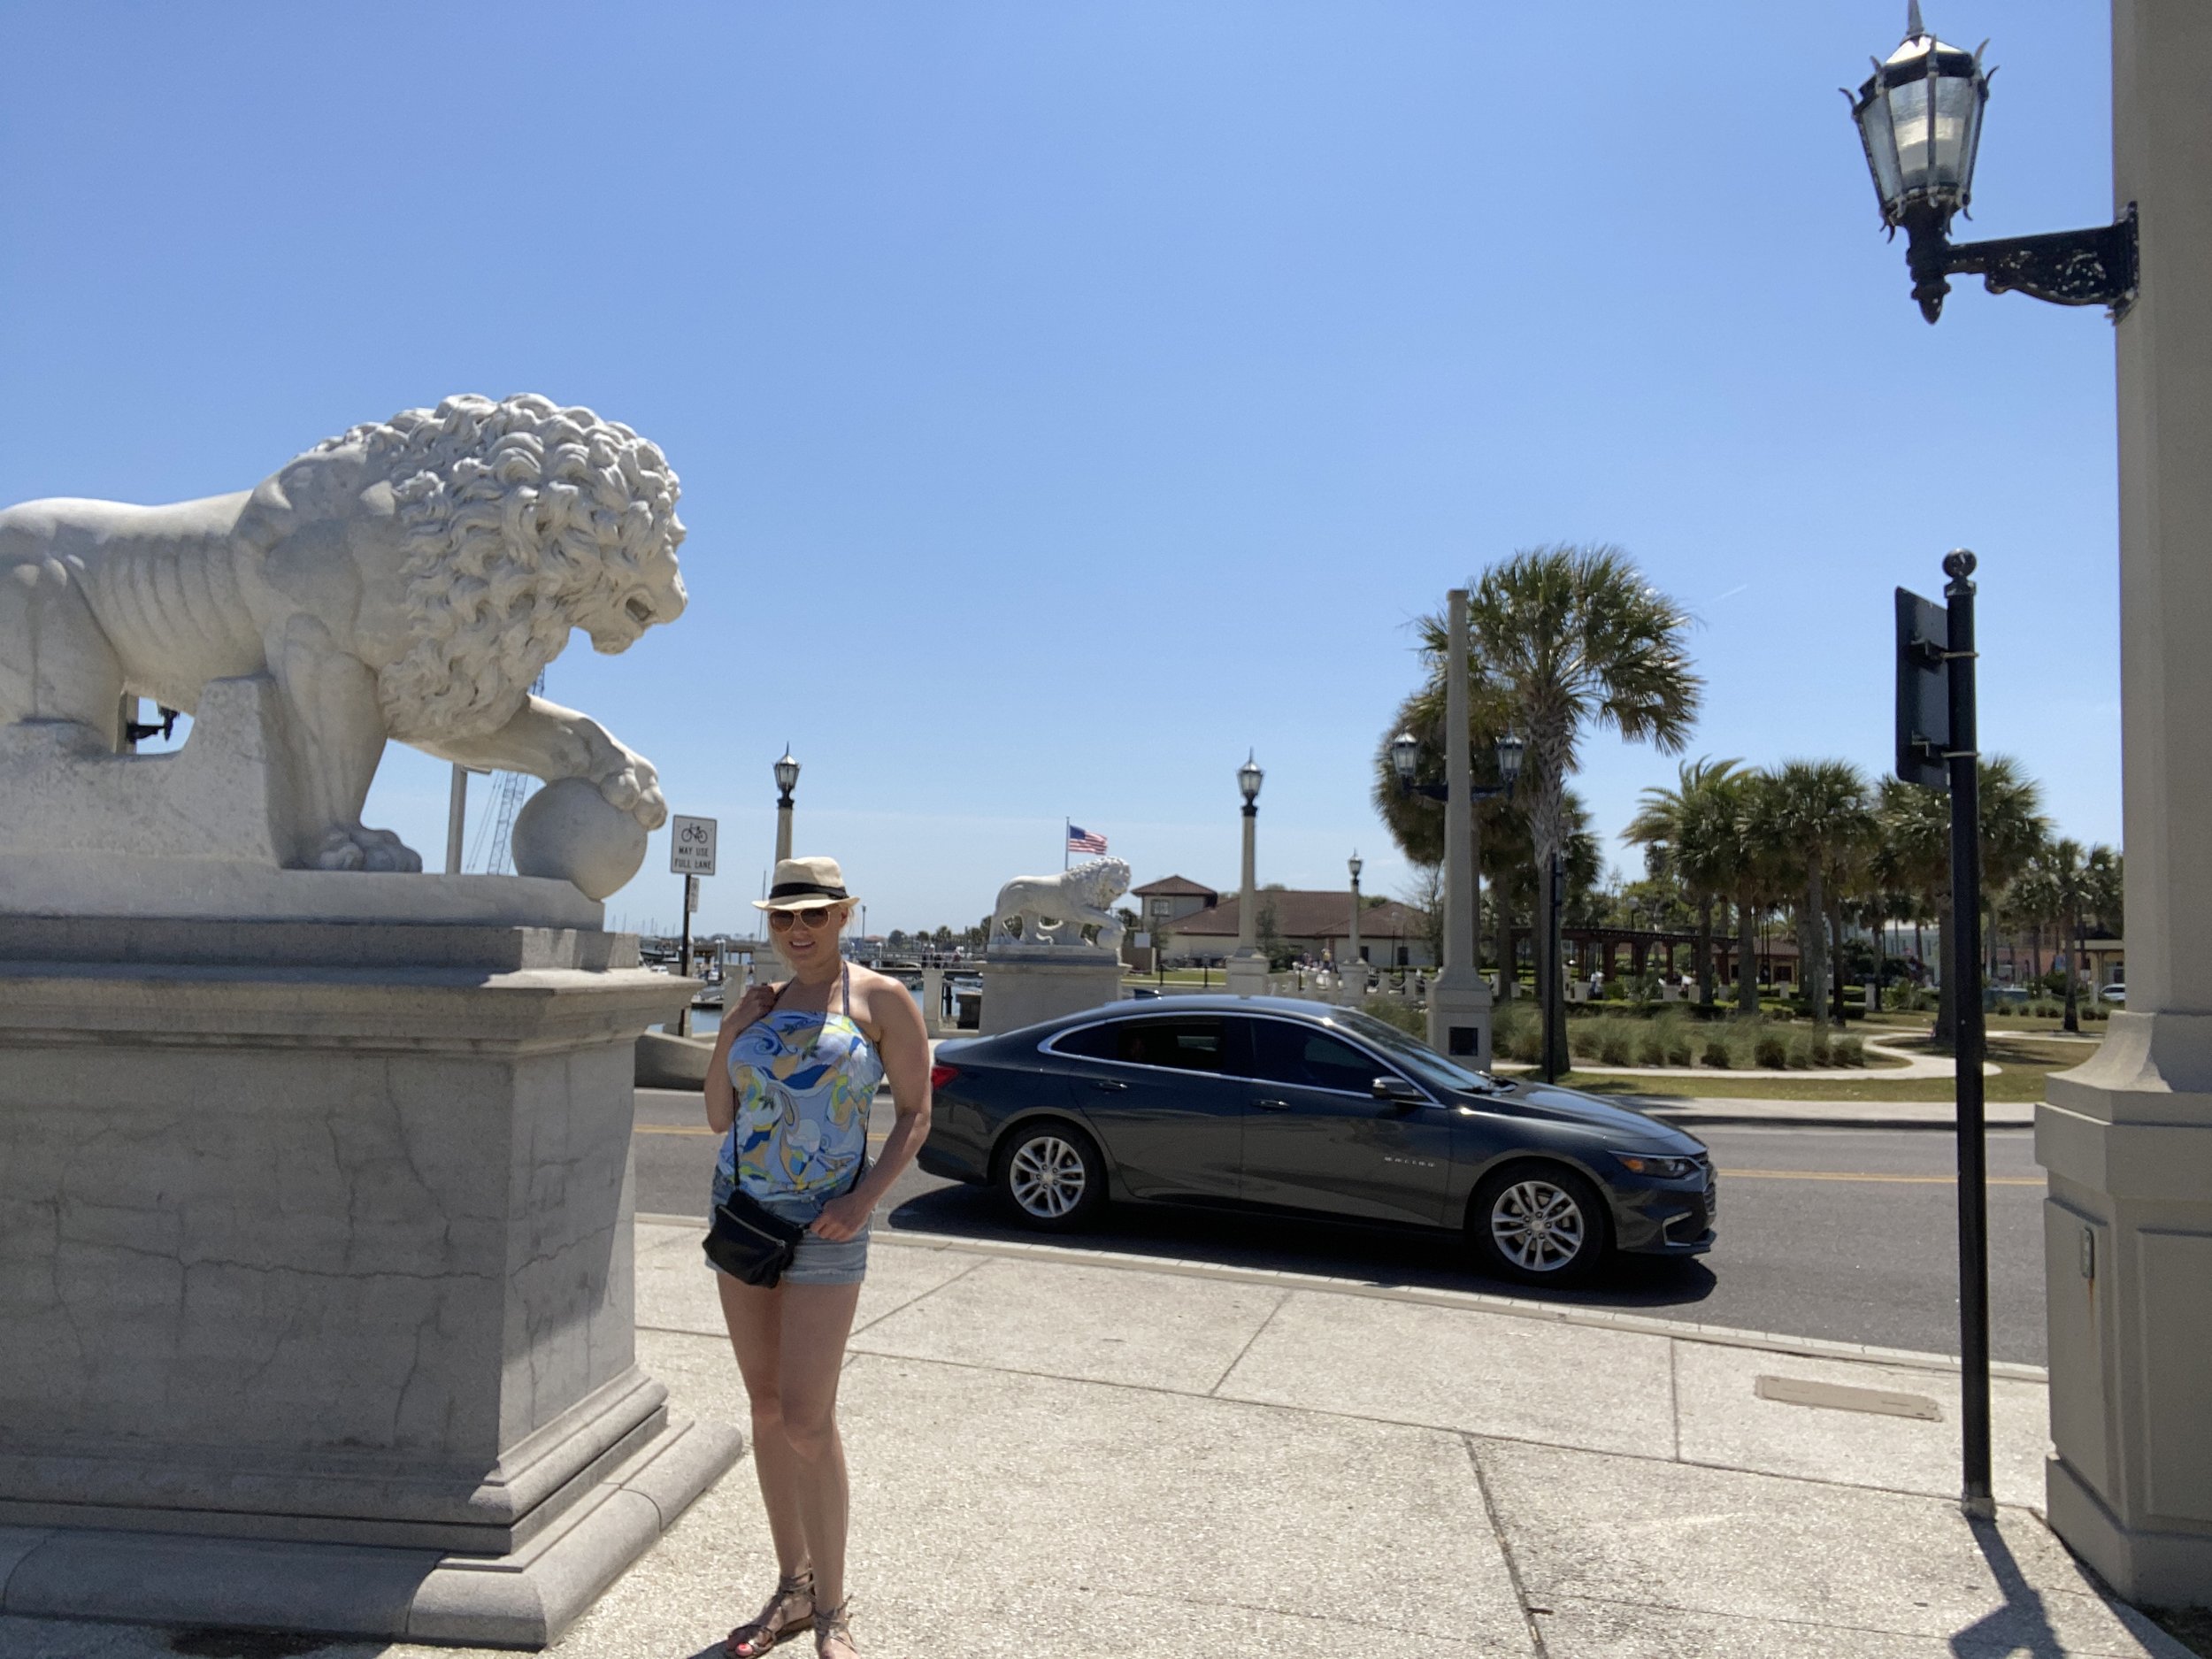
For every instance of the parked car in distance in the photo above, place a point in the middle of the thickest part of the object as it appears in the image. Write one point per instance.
(2114, 993)
(1299, 1107)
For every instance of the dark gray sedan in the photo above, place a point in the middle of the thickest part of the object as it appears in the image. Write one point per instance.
(1296, 1107)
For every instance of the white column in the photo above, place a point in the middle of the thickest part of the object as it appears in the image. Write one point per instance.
(1352, 971)
(1459, 1001)
(1245, 973)
(783, 829)
(2127, 1138)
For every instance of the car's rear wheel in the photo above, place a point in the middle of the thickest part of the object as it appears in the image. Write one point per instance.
(1051, 1175)
(1538, 1224)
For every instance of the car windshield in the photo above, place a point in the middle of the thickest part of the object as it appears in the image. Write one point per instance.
(1418, 1057)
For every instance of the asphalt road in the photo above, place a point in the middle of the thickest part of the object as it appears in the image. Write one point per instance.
(1850, 1234)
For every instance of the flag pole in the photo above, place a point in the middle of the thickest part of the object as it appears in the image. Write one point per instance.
(1067, 828)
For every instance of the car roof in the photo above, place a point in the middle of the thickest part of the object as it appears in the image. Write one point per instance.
(1151, 1008)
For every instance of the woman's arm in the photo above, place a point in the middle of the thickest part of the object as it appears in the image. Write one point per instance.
(721, 1099)
(903, 1042)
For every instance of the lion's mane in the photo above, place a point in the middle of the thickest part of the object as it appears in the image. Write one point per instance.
(518, 514)
(1098, 882)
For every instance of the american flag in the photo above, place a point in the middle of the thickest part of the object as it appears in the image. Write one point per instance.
(1081, 840)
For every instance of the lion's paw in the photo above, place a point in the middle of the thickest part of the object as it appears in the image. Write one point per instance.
(358, 848)
(634, 786)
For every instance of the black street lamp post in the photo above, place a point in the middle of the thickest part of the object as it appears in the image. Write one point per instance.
(1919, 116)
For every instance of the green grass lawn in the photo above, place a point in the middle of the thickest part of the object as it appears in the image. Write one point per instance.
(2024, 1065)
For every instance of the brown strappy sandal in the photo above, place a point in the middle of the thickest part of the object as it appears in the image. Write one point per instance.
(834, 1623)
(776, 1620)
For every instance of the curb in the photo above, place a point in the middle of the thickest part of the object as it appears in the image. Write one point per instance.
(1722, 1117)
(1467, 1301)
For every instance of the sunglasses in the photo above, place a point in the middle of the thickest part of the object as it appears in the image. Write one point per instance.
(813, 915)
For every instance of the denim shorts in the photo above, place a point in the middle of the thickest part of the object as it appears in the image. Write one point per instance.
(820, 1261)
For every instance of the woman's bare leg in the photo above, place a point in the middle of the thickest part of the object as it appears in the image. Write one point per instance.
(755, 1317)
(817, 1321)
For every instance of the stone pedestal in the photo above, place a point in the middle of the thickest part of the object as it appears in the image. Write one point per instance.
(2128, 1138)
(1245, 975)
(1459, 1017)
(315, 1276)
(1021, 987)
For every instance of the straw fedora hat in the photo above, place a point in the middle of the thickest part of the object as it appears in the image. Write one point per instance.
(801, 884)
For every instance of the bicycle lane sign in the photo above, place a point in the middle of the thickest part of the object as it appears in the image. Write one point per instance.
(691, 846)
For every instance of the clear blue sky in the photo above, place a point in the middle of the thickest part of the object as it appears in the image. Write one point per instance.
(1068, 397)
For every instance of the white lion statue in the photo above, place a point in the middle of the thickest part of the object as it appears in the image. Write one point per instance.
(407, 580)
(1055, 910)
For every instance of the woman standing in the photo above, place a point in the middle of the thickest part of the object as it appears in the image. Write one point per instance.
(795, 1066)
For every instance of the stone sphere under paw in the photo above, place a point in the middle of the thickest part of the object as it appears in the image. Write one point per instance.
(569, 832)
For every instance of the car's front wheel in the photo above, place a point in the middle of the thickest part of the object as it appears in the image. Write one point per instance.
(1538, 1224)
(1052, 1175)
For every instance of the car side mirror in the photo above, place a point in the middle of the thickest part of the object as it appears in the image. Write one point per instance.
(1398, 1092)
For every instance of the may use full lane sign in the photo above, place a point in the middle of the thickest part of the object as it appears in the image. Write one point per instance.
(691, 846)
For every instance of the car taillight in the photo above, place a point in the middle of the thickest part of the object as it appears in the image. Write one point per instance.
(940, 1075)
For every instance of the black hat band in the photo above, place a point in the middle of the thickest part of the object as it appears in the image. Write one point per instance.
(803, 889)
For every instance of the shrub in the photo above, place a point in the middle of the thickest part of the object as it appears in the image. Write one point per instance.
(1613, 1047)
(1677, 1046)
(1651, 1047)
(1582, 1038)
(1770, 1052)
(1718, 1054)
(1404, 1016)
(1818, 1051)
(1850, 1051)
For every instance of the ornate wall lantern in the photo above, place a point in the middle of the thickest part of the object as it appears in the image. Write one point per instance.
(1919, 116)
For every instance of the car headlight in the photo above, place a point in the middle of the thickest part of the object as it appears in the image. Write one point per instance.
(1657, 1164)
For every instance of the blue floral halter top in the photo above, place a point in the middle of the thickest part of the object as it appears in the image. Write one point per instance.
(803, 1082)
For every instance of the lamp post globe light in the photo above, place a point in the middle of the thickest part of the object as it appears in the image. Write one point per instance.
(786, 770)
(1919, 117)
(1246, 972)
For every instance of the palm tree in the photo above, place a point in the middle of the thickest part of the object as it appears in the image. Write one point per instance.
(2081, 883)
(1694, 825)
(1915, 827)
(1565, 638)
(1811, 812)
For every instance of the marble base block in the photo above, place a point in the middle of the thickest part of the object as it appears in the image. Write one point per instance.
(1244, 976)
(315, 1273)
(1022, 989)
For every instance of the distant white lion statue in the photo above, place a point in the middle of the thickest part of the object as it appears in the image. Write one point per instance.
(408, 579)
(1055, 910)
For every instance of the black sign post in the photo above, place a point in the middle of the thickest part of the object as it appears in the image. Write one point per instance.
(1936, 749)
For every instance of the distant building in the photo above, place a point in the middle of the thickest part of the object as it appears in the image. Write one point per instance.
(1313, 923)
(1167, 902)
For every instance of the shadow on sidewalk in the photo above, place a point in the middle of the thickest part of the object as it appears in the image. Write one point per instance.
(2023, 1624)
(1394, 1257)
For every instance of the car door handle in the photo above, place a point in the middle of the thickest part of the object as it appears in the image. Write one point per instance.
(1271, 1105)
(1108, 1083)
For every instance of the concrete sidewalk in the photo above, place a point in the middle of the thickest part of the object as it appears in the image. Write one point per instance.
(1058, 1452)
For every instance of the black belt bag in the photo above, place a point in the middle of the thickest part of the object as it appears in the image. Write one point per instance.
(750, 1241)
